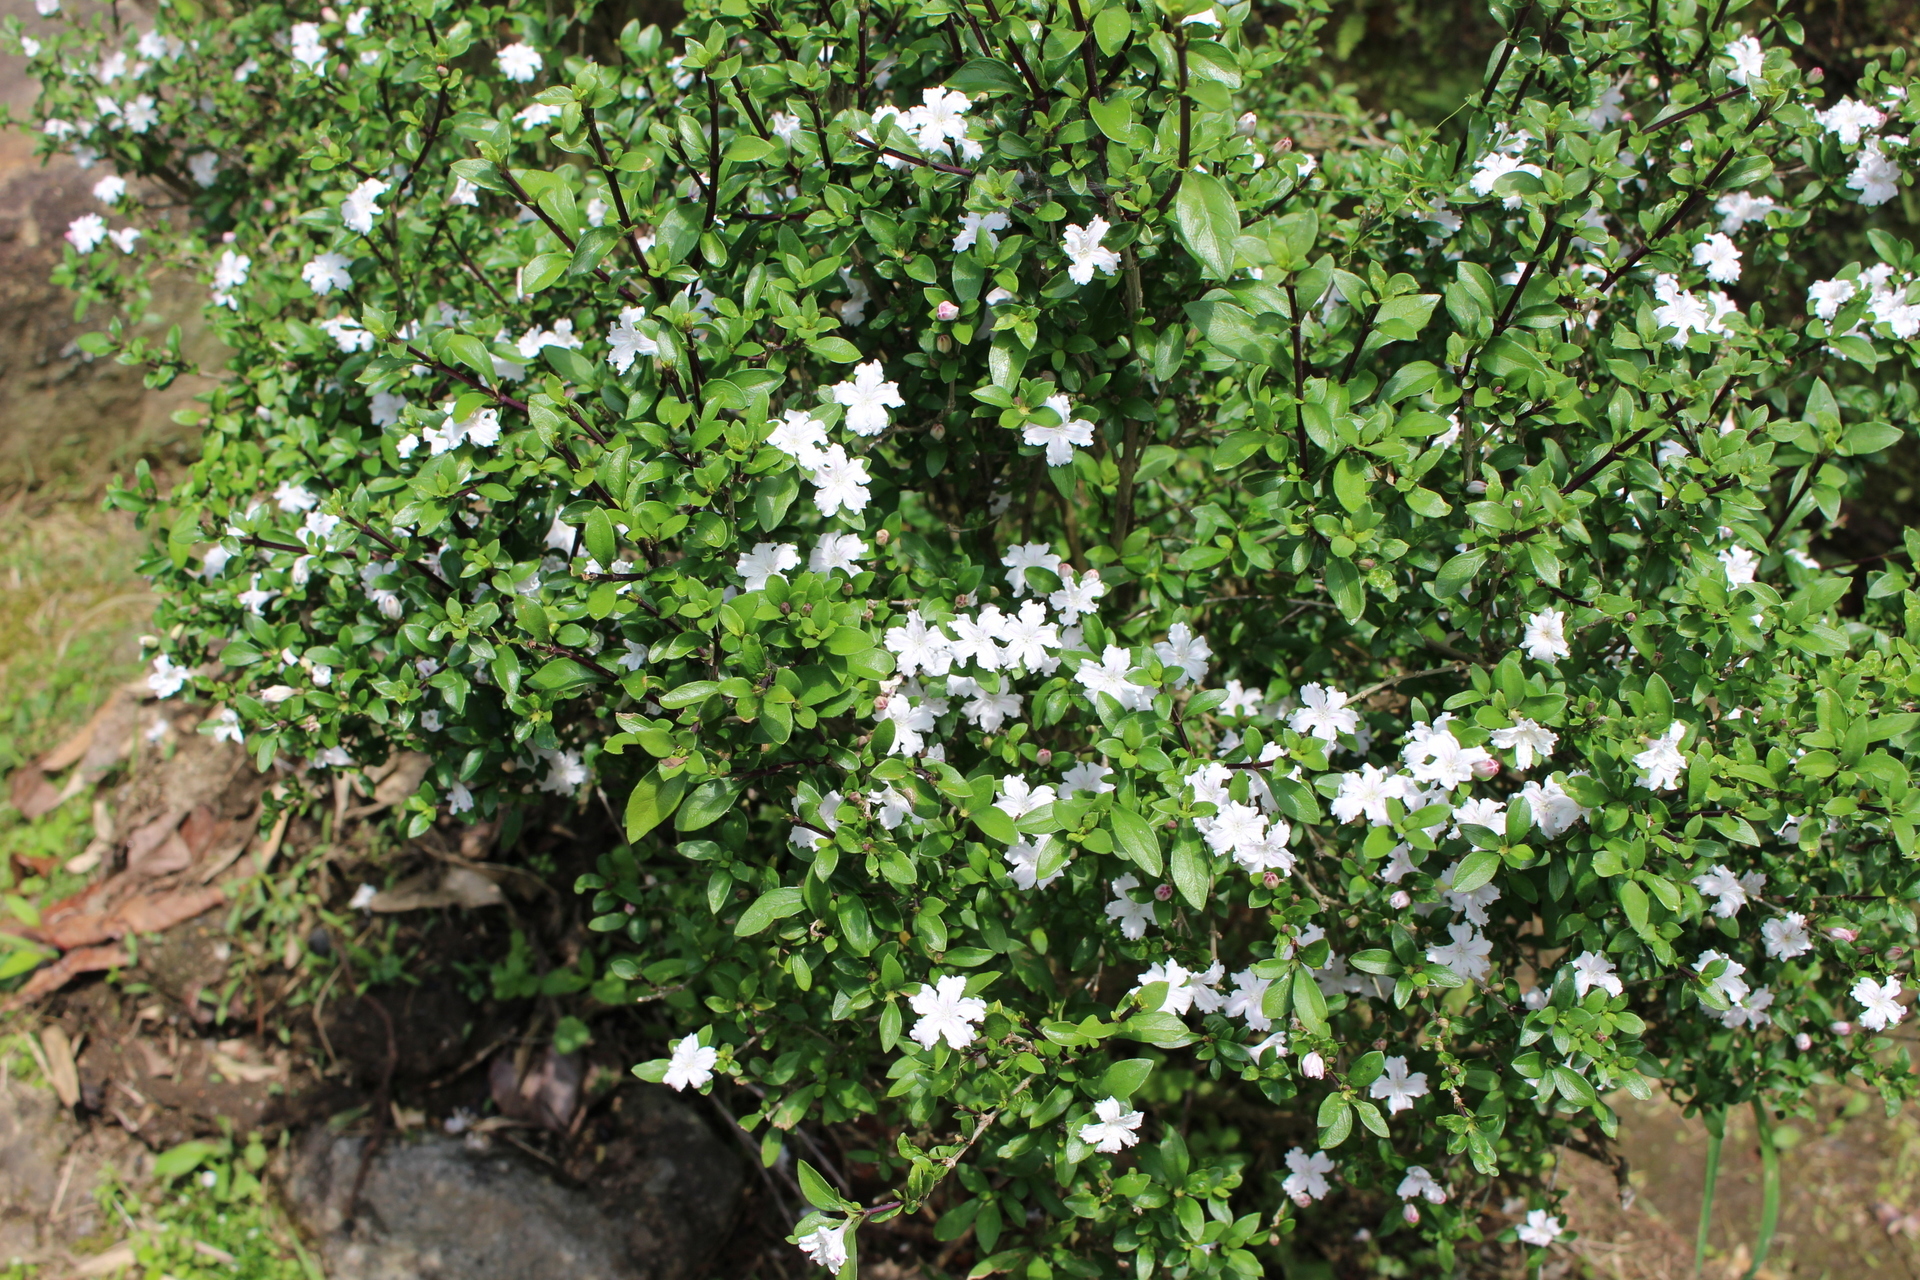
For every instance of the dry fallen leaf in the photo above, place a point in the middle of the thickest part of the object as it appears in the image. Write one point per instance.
(62, 1073)
(62, 971)
(115, 1259)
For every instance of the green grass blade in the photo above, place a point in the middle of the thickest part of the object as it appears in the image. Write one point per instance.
(1769, 1187)
(1716, 1133)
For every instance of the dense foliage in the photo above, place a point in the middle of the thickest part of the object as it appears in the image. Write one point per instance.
(1104, 625)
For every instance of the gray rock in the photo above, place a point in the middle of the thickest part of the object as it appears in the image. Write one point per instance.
(438, 1208)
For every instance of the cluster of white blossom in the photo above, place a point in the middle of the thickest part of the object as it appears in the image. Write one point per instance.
(1887, 295)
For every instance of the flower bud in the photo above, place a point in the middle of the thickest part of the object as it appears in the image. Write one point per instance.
(1841, 1028)
(1400, 900)
(1411, 1214)
(946, 311)
(1803, 1042)
(1271, 880)
(883, 537)
(1163, 893)
(1476, 486)
(1043, 757)
(1302, 1199)
(1484, 769)
(1816, 75)
(1840, 933)
(1313, 1066)
(1246, 124)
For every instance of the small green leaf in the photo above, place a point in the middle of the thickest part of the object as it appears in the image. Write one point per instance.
(1206, 220)
(1136, 841)
(652, 802)
(1476, 869)
(708, 803)
(774, 904)
(1193, 872)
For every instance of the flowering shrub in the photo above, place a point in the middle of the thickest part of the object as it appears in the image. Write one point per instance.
(1103, 625)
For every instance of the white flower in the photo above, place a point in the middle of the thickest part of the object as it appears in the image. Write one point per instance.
(519, 62)
(358, 210)
(142, 113)
(536, 114)
(1059, 440)
(764, 561)
(1109, 676)
(1398, 1086)
(110, 189)
(1025, 556)
(867, 396)
(692, 1064)
(625, 341)
(1085, 253)
(1847, 119)
(1545, 639)
(946, 1012)
(1421, 1185)
(1077, 594)
(1323, 713)
(800, 436)
(86, 232)
(1115, 1128)
(919, 645)
(290, 497)
(165, 680)
(840, 551)
(826, 1247)
(1492, 167)
(1528, 741)
(1365, 792)
(784, 125)
(1554, 810)
(1031, 639)
(1468, 955)
(1308, 1180)
(327, 272)
(1088, 777)
(347, 334)
(1662, 762)
(357, 21)
(1184, 651)
(1720, 882)
(841, 481)
(1739, 563)
(202, 167)
(307, 49)
(1244, 1001)
(224, 726)
(1023, 862)
(975, 227)
(1875, 176)
(1687, 314)
(464, 193)
(1729, 986)
(1433, 755)
(46, 8)
(1881, 1001)
(1720, 256)
(1738, 209)
(1590, 970)
(1540, 1229)
(1787, 937)
(1132, 917)
(1748, 60)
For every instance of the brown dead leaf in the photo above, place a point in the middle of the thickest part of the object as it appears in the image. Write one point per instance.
(404, 780)
(146, 842)
(141, 914)
(200, 830)
(31, 793)
(453, 887)
(118, 1258)
(245, 1072)
(546, 1096)
(62, 1073)
(62, 971)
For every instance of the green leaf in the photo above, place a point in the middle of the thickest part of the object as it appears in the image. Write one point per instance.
(1309, 1004)
(994, 824)
(1457, 572)
(1124, 1078)
(689, 694)
(652, 802)
(1476, 869)
(1134, 836)
(601, 542)
(985, 75)
(1366, 1069)
(818, 1191)
(708, 803)
(746, 148)
(542, 271)
(838, 350)
(1350, 481)
(561, 674)
(774, 904)
(1206, 221)
(184, 1158)
(1193, 872)
(1111, 28)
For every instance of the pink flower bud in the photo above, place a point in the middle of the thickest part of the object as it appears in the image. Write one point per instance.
(1841, 1028)
(1043, 757)
(1271, 879)
(1163, 892)
(1840, 933)
(1313, 1067)
(1411, 1214)
(946, 311)
(1246, 124)
(1816, 75)
(1400, 900)
(1803, 1042)
(1484, 769)
(1302, 1199)
(1476, 487)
